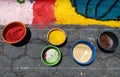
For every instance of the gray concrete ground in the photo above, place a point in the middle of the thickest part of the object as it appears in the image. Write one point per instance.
(24, 60)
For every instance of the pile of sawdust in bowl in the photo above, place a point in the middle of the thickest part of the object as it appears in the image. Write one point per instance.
(82, 53)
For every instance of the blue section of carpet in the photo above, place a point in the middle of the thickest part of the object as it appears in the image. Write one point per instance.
(98, 9)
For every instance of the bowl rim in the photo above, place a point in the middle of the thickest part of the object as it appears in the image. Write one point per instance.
(59, 30)
(107, 49)
(50, 64)
(17, 40)
(89, 44)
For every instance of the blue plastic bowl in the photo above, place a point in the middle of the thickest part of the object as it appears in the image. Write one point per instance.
(88, 44)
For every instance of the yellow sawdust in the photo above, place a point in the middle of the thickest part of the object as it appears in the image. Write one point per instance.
(65, 14)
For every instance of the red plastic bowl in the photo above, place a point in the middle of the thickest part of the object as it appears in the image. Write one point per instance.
(14, 32)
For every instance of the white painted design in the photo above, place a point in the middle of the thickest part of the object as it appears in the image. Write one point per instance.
(11, 10)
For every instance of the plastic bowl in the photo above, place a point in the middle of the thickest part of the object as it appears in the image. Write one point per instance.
(11, 32)
(54, 38)
(108, 41)
(52, 60)
(87, 43)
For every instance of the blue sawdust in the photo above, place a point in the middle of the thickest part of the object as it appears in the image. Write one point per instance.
(98, 9)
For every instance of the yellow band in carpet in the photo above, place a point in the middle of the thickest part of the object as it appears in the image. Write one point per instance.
(65, 14)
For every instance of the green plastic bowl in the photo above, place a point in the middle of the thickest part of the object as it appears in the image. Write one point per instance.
(43, 53)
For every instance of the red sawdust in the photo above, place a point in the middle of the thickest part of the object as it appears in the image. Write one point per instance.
(14, 34)
(43, 13)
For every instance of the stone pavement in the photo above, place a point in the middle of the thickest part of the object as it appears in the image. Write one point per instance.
(24, 60)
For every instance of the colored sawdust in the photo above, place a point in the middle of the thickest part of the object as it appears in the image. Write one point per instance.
(14, 34)
(43, 13)
(56, 37)
(65, 14)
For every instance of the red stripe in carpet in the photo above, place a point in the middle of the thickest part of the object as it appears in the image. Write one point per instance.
(43, 13)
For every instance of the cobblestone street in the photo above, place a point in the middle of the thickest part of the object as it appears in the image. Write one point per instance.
(24, 60)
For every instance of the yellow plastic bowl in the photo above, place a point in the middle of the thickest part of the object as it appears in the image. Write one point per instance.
(56, 36)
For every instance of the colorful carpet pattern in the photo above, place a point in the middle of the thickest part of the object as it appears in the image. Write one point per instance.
(45, 12)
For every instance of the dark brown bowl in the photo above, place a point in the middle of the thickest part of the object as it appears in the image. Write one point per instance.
(108, 41)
